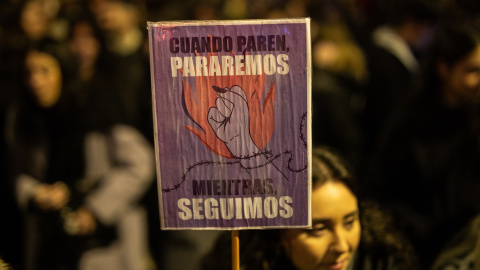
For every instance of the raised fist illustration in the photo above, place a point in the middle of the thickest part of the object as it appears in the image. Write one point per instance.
(229, 120)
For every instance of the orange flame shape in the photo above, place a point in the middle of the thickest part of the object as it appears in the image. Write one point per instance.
(261, 116)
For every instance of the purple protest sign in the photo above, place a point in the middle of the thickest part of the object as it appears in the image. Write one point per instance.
(231, 103)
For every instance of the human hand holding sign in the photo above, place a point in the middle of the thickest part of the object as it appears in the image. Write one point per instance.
(229, 120)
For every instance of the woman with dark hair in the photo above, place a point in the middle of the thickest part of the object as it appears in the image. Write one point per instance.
(426, 169)
(92, 87)
(333, 242)
(450, 71)
(77, 184)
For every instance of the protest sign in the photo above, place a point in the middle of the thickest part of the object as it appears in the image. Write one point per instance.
(231, 102)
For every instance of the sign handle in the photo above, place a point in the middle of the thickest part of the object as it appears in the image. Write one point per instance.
(235, 250)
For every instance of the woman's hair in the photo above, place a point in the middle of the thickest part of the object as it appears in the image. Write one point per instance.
(327, 166)
(262, 249)
(382, 243)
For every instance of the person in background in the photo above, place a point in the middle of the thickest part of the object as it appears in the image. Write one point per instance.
(77, 184)
(426, 171)
(125, 59)
(36, 18)
(344, 233)
(394, 62)
(91, 85)
(21, 23)
(339, 74)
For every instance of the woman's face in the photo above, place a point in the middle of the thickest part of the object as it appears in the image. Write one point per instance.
(462, 80)
(84, 45)
(44, 78)
(335, 235)
(33, 20)
(114, 16)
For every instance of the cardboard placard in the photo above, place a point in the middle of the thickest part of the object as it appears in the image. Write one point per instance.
(231, 103)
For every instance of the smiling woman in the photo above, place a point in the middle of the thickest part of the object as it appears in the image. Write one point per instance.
(337, 241)
(335, 233)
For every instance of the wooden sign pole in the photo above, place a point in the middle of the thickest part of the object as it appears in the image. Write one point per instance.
(235, 250)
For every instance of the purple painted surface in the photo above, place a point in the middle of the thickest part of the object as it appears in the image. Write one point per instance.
(231, 134)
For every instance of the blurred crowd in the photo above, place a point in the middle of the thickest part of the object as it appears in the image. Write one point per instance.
(395, 91)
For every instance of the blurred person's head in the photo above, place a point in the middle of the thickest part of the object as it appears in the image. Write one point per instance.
(44, 78)
(334, 47)
(340, 56)
(116, 16)
(36, 17)
(43, 75)
(335, 233)
(414, 21)
(453, 69)
(84, 43)
(33, 20)
(119, 21)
